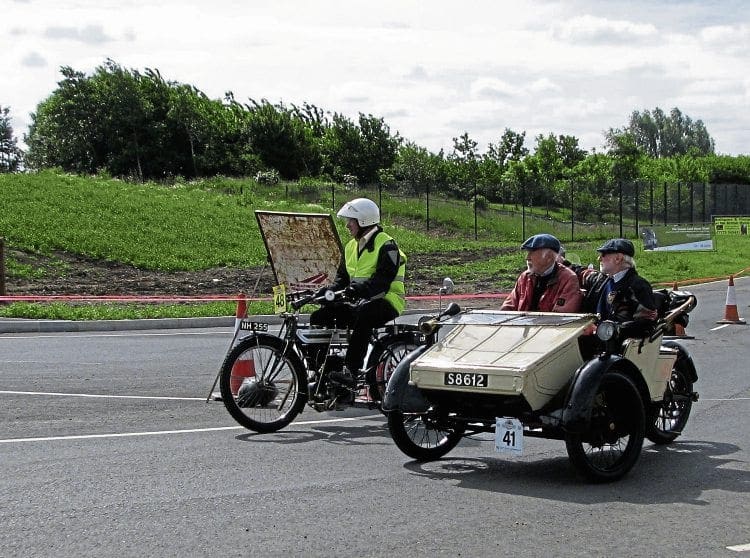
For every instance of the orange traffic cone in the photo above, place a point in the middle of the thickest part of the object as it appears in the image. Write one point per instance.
(240, 313)
(241, 369)
(731, 316)
(677, 330)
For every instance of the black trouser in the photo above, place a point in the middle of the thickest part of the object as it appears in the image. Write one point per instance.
(361, 320)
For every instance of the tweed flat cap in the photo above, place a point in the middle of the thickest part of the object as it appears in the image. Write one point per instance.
(541, 241)
(621, 245)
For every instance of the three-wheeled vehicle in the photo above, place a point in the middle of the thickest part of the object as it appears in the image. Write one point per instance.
(525, 374)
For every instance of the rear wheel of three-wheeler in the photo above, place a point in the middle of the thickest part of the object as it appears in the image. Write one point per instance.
(668, 417)
(424, 436)
(263, 386)
(612, 444)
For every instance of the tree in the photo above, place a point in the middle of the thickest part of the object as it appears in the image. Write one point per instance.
(10, 154)
(464, 166)
(659, 135)
(416, 170)
(282, 140)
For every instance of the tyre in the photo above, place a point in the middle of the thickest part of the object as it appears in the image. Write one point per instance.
(612, 444)
(383, 360)
(424, 437)
(263, 388)
(668, 417)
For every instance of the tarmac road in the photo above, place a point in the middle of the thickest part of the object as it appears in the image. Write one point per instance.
(107, 447)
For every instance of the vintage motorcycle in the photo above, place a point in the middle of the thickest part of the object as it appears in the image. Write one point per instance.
(526, 374)
(265, 380)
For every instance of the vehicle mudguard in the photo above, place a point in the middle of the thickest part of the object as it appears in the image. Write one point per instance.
(580, 397)
(399, 395)
(684, 357)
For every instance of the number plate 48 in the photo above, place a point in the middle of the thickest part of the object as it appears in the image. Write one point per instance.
(508, 435)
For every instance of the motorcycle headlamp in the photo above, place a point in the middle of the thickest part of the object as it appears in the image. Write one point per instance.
(606, 330)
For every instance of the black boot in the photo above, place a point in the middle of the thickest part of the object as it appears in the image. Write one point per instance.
(344, 377)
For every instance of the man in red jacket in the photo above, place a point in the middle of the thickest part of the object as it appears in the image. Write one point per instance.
(547, 285)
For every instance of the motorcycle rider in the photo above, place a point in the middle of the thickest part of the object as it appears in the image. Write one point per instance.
(372, 270)
(546, 285)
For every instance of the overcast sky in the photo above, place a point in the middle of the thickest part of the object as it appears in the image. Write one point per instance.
(432, 69)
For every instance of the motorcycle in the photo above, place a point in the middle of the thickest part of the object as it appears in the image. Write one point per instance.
(535, 374)
(266, 379)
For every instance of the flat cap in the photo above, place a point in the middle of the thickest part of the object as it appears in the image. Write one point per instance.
(621, 245)
(541, 241)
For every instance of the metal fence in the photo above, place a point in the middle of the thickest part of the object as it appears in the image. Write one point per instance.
(632, 206)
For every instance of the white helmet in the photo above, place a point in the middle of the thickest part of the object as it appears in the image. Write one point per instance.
(365, 211)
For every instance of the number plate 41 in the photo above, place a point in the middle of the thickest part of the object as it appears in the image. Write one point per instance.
(508, 435)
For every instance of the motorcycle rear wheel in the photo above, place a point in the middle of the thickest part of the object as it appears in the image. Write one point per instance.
(613, 442)
(267, 394)
(668, 417)
(422, 436)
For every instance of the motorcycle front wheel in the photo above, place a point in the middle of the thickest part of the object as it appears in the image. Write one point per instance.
(262, 386)
(612, 443)
(424, 436)
(668, 417)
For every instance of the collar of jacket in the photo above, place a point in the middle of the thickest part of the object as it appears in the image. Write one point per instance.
(367, 240)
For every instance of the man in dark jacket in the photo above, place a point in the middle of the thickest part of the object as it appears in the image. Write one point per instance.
(617, 292)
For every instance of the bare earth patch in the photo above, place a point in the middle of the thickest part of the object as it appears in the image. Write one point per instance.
(67, 274)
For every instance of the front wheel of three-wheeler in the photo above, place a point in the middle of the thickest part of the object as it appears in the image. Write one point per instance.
(263, 386)
(424, 436)
(612, 444)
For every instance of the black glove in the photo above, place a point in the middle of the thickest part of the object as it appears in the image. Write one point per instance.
(351, 293)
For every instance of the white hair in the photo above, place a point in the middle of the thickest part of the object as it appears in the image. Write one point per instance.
(628, 261)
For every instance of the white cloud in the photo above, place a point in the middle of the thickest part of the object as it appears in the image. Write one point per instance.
(596, 30)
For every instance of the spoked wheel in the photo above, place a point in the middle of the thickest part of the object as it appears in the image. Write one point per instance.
(424, 437)
(614, 439)
(383, 362)
(262, 387)
(668, 417)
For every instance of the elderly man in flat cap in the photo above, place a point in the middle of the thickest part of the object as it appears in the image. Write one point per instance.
(547, 285)
(617, 292)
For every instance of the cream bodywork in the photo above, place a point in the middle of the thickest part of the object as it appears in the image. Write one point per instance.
(533, 354)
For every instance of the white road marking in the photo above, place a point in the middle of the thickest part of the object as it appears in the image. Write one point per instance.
(94, 334)
(102, 395)
(740, 547)
(719, 327)
(162, 432)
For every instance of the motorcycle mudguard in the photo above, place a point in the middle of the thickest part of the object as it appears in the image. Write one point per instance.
(399, 395)
(685, 357)
(580, 398)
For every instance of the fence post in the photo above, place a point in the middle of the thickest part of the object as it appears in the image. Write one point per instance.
(475, 210)
(572, 219)
(428, 206)
(637, 206)
(620, 183)
(2, 267)
(665, 204)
